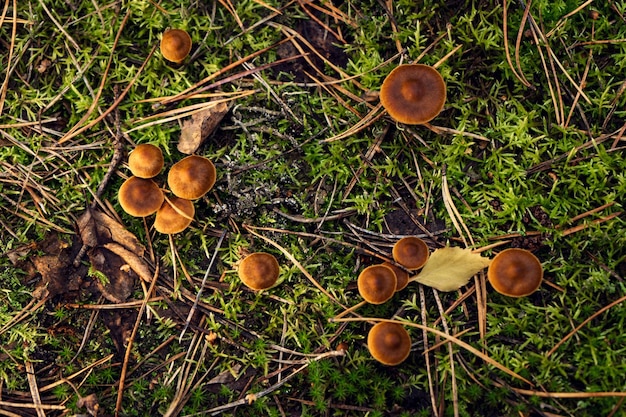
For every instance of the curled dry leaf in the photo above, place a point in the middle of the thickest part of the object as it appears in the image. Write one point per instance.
(450, 268)
(201, 124)
(137, 264)
(90, 402)
(96, 228)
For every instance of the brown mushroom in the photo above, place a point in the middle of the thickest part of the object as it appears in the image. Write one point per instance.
(140, 197)
(515, 272)
(174, 216)
(402, 277)
(411, 252)
(146, 161)
(389, 343)
(259, 271)
(413, 93)
(377, 283)
(191, 177)
(175, 45)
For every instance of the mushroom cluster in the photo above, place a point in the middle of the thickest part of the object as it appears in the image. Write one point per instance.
(378, 283)
(188, 179)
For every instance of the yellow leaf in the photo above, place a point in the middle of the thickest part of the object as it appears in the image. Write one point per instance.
(450, 268)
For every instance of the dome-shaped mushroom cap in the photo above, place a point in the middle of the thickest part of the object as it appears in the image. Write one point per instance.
(515, 272)
(402, 277)
(377, 284)
(169, 221)
(175, 45)
(259, 271)
(389, 343)
(146, 161)
(140, 197)
(413, 93)
(191, 177)
(410, 252)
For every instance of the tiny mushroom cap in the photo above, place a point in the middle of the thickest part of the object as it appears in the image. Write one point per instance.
(174, 216)
(140, 197)
(377, 283)
(259, 271)
(411, 252)
(515, 272)
(191, 177)
(146, 161)
(402, 277)
(413, 93)
(389, 343)
(175, 45)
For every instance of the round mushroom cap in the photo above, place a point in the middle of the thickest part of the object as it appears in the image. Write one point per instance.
(377, 283)
(411, 252)
(413, 93)
(175, 45)
(389, 343)
(515, 272)
(191, 177)
(402, 277)
(146, 161)
(169, 220)
(259, 271)
(140, 197)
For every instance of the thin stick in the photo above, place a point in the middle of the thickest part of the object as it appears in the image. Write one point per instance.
(206, 275)
(581, 325)
(448, 337)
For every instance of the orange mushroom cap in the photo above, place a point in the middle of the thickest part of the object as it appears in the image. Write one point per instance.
(410, 252)
(146, 161)
(377, 284)
(402, 277)
(389, 343)
(191, 177)
(259, 271)
(515, 272)
(140, 197)
(413, 93)
(175, 45)
(170, 221)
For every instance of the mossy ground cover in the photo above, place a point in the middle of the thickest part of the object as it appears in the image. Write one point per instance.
(528, 152)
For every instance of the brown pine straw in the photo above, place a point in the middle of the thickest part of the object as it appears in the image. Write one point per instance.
(446, 336)
(581, 325)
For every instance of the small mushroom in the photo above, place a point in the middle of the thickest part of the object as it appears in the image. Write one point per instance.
(402, 277)
(411, 252)
(389, 343)
(259, 271)
(174, 216)
(191, 177)
(140, 197)
(413, 93)
(515, 272)
(146, 161)
(175, 45)
(377, 283)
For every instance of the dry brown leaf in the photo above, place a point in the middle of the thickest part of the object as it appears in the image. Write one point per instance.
(136, 263)
(90, 402)
(450, 268)
(117, 280)
(201, 124)
(96, 228)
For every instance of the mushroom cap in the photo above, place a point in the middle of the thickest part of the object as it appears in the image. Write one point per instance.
(515, 272)
(175, 45)
(146, 161)
(413, 93)
(140, 197)
(377, 283)
(402, 277)
(259, 271)
(191, 177)
(169, 221)
(411, 252)
(389, 343)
